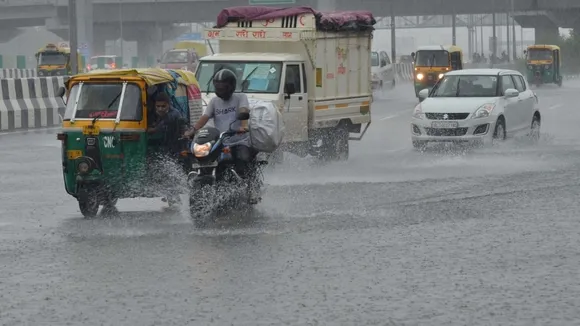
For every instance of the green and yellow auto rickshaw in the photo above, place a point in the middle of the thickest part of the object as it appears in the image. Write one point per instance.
(431, 62)
(105, 144)
(52, 60)
(544, 63)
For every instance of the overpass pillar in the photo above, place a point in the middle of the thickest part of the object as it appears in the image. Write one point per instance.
(149, 46)
(546, 34)
(326, 5)
(84, 10)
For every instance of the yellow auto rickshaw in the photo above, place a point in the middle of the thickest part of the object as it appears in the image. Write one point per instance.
(105, 144)
(432, 62)
(543, 64)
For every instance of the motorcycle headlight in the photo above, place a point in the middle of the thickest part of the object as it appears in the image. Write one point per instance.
(484, 111)
(418, 112)
(420, 76)
(201, 150)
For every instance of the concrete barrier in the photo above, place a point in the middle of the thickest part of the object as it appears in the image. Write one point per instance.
(17, 73)
(404, 71)
(28, 103)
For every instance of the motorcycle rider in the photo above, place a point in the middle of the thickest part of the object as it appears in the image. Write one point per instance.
(223, 109)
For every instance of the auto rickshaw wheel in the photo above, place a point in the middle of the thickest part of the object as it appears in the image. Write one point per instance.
(89, 207)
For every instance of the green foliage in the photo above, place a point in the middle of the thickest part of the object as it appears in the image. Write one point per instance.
(570, 46)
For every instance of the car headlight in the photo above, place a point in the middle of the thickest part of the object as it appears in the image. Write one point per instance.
(418, 112)
(201, 150)
(420, 76)
(484, 111)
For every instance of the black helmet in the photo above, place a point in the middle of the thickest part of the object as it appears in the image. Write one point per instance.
(225, 82)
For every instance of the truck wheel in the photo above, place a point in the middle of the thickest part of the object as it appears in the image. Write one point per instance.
(337, 147)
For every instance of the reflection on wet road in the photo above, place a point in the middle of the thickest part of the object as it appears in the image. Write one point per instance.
(393, 236)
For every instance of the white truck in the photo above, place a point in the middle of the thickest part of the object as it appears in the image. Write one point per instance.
(320, 79)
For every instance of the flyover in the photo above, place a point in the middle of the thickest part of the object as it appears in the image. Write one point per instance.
(150, 21)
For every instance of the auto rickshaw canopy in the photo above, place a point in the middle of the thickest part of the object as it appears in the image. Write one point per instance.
(543, 47)
(151, 76)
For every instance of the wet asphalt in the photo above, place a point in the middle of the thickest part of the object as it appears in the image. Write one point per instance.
(391, 237)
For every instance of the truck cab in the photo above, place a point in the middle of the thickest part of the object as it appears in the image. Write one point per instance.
(319, 78)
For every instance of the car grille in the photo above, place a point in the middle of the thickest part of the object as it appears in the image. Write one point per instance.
(446, 131)
(450, 116)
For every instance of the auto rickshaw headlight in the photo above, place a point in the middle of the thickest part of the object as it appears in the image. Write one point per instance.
(83, 167)
(201, 150)
(547, 66)
(420, 76)
(441, 76)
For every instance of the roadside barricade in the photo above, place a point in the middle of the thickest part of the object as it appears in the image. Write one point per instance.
(404, 71)
(28, 103)
(17, 73)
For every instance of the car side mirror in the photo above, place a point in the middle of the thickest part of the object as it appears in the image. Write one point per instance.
(289, 89)
(60, 92)
(242, 116)
(423, 94)
(510, 92)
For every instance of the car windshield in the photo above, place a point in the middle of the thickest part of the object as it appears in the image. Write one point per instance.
(52, 58)
(264, 78)
(98, 100)
(432, 58)
(375, 59)
(539, 54)
(175, 57)
(466, 86)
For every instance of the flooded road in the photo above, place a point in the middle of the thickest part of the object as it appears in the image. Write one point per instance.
(391, 237)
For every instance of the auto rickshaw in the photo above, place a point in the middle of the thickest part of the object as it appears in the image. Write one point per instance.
(105, 144)
(544, 63)
(52, 60)
(432, 62)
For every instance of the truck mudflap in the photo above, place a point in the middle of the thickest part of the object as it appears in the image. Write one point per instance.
(362, 133)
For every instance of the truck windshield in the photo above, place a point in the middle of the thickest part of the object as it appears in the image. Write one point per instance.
(99, 100)
(175, 57)
(432, 58)
(539, 54)
(466, 86)
(374, 59)
(51, 58)
(264, 79)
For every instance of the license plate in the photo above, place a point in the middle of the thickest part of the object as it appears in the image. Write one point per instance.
(444, 124)
(74, 154)
(91, 130)
(204, 165)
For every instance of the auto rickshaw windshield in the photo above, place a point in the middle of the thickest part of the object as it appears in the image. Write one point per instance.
(102, 100)
(432, 58)
(539, 54)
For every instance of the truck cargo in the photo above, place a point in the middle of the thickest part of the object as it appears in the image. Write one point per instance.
(314, 67)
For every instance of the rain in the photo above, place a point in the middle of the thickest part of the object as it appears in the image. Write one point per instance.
(414, 228)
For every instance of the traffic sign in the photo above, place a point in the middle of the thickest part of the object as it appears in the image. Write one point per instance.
(271, 2)
(190, 37)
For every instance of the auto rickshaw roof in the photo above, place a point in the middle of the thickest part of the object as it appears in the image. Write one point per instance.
(448, 48)
(53, 48)
(152, 76)
(543, 47)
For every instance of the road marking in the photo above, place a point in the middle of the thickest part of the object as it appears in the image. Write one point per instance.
(392, 116)
(553, 107)
(16, 132)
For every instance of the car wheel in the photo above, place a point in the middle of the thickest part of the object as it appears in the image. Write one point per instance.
(419, 145)
(535, 129)
(499, 134)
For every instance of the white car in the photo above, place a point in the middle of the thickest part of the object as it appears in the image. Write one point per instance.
(383, 70)
(476, 105)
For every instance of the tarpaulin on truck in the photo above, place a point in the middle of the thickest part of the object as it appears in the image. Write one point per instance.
(329, 22)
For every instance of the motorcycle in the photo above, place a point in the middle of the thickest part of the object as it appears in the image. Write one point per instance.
(215, 185)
